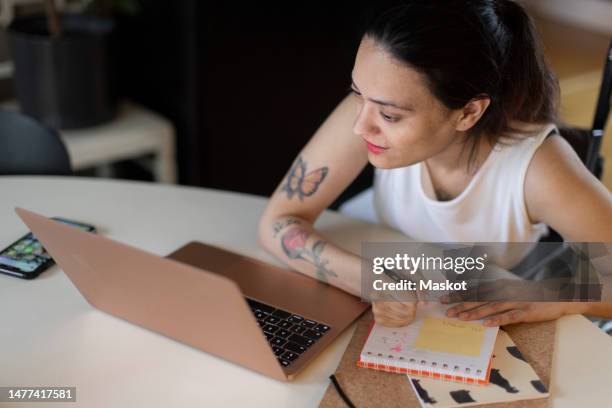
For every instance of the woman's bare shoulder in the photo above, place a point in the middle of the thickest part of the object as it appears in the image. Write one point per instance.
(560, 190)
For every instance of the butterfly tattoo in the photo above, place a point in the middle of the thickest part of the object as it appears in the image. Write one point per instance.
(301, 183)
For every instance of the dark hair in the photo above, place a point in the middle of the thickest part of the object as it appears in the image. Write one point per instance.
(467, 49)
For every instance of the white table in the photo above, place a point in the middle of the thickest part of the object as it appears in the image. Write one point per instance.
(132, 134)
(50, 336)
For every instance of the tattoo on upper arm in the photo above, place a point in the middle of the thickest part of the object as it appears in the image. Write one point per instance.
(301, 183)
(293, 243)
(280, 225)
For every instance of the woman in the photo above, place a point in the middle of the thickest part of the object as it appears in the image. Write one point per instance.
(455, 106)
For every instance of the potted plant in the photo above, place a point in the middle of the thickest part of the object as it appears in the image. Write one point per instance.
(64, 74)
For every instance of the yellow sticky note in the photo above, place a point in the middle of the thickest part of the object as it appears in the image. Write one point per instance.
(450, 336)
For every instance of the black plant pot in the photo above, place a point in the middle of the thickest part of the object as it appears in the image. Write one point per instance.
(67, 82)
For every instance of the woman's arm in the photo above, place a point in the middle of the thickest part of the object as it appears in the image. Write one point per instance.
(295, 242)
(562, 193)
(325, 167)
(330, 161)
(599, 309)
(508, 312)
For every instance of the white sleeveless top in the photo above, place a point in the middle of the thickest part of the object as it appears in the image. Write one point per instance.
(490, 209)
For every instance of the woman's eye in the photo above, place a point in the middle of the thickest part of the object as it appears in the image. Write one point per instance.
(388, 118)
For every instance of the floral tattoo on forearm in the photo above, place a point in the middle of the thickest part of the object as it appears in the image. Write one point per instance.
(282, 224)
(301, 183)
(293, 243)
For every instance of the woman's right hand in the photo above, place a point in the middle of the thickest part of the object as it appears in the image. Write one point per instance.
(394, 313)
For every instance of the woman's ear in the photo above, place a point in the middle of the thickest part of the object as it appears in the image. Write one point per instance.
(471, 113)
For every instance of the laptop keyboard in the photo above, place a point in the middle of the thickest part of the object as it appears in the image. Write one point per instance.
(289, 334)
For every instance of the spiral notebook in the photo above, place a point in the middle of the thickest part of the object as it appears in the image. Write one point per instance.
(434, 346)
(512, 379)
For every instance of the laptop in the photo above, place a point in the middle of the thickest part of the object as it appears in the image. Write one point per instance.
(268, 319)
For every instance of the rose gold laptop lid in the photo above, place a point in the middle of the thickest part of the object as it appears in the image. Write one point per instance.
(159, 294)
(280, 288)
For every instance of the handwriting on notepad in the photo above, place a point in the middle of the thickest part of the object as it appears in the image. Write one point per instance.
(450, 336)
(462, 325)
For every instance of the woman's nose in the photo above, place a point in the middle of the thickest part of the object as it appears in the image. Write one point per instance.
(364, 125)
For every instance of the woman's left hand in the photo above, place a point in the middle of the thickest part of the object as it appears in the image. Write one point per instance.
(502, 313)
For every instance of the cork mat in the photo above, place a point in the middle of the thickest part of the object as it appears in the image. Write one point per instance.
(371, 388)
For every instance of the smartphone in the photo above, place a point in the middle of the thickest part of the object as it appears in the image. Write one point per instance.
(26, 258)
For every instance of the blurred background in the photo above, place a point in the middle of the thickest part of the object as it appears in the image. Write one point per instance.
(225, 96)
